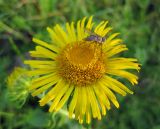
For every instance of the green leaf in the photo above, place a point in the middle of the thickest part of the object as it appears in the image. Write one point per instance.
(37, 118)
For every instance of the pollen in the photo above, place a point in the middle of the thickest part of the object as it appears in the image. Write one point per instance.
(82, 63)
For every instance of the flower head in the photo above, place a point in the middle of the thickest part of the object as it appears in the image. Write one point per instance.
(18, 83)
(77, 69)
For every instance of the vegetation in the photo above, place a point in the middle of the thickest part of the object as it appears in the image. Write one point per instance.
(138, 21)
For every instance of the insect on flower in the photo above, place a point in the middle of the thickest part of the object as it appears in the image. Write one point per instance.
(93, 37)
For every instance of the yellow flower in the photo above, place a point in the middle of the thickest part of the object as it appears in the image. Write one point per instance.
(77, 71)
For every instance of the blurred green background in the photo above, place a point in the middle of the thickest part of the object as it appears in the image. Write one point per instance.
(138, 21)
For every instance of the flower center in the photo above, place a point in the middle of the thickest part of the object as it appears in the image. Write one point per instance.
(81, 63)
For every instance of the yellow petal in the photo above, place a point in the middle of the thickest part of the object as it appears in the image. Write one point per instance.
(52, 93)
(117, 49)
(94, 104)
(101, 28)
(79, 35)
(45, 52)
(58, 97)
(39, 62)
(89, 23)
(65, 98)
(110, 95)
(84, 99)
(43, 80)
(97, 27)
(88, 117)
(43, 88)
(119, 84)
(114, 87)
(71, 38)
(101, 99)
(106, 31)
(36, 54)
(88, 110)
(73, 32)
(55, 39)
(111, 37)
(129, 76)
(73, 102)
(40, 72)
(78, 108)
(123, 63)
(44, 44)
(102, 96)
(61, 34)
